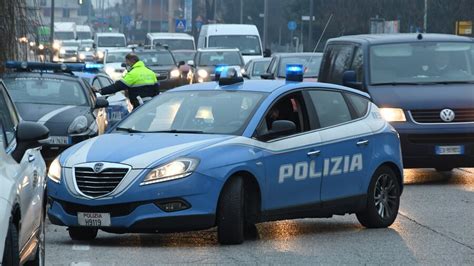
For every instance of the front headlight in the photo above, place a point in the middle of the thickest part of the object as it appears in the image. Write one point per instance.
(203, 73)
(175, 73)
(100, 54)
(82, 56)
(62, 51)
(79, 125)
(393, 114)
(54, 173)
(56, 46)
(176, 169)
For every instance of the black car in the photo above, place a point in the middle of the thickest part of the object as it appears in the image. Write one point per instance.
(51, 95)
(162, 62)
(277, 67)
(206, 60)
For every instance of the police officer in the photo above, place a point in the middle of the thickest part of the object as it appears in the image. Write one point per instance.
(140, 81)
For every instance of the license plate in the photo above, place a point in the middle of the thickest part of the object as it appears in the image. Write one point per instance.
(59, 140)
(450, 150)
(93, 219)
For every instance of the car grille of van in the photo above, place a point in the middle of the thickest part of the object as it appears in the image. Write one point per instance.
(433, 116)
(99, 184)
(161, 75)
(441, 138)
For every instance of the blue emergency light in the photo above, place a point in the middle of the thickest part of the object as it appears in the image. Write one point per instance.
(229, 76)
(294, 72)
(58, 67)
(220, 68)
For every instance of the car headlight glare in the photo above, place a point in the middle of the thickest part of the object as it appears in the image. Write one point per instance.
(62, 51)
(176, 169)
(54, 173)
(82, 56)
(56, 46)
(393, 114)
(79, 125)
(175, 73)
(100, 54)
(203, 73)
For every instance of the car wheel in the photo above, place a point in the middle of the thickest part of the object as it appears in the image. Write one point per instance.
(81, 233)
(444, 169)
(231, 218)
(383, 200)
(40, 250)
(11, 254)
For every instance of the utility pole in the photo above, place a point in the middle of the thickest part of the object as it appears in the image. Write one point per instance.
(241, 11)
(425, 17)
(310, 29)
(149, 16)
(215, 11)
(265, 24)
(161, 16)
(51, 31)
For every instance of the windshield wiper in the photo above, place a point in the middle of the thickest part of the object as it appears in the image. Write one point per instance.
(179, 131)
(396, 83)
(453, 82)
(129, 130)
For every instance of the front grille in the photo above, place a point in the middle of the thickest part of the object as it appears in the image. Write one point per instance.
(433, 116)
(114, 209)
(95, 184)
(441, 138)
(162, 75)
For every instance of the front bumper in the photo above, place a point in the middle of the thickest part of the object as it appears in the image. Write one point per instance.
(142, 209)
(419, 144)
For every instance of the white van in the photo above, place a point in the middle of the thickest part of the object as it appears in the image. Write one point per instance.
(244, 37)
(174, 41)
(64, 31)
(83, 32)
(109, 40)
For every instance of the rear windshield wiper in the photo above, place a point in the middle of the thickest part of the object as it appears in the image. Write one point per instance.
(129, 130)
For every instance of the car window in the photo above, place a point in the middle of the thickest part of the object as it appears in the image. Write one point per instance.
(330, 106)
(96, 83)
(3, 142)
(336, 60)
(7, 118)
(104, 81)
(358, 64)
(259, 68)
(292, 108)
(359, 103)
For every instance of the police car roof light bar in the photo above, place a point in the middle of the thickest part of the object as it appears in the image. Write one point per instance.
(229, 76)
(294, 72)
(57, 67)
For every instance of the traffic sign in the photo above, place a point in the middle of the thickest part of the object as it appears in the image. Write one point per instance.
(292, 25)
(180, 25)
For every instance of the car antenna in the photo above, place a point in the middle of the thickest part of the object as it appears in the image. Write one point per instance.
(319, 41)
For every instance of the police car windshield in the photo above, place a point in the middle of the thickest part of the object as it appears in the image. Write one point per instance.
(422, 62)
(247, 44)
(311, 63)
(158, 58)
(175, 44)
(208, 112)
(46, 91)
(231, 58)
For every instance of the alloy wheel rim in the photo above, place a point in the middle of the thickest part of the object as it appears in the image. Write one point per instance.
(385, 196)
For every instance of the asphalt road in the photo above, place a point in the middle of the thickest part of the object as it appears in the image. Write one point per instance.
(435, 226)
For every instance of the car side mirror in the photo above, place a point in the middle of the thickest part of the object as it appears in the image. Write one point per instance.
(267, 76)
(191, 62)
(267, 53)
(101, 103)
(349, 79)
(245, 75)
(93, 45)
(28, 136)
(123, 65)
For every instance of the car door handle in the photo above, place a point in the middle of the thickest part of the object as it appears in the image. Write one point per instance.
(31, 158)
(313, 153)
(363, 142)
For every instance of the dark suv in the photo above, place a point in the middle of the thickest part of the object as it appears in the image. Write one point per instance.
(424, 84)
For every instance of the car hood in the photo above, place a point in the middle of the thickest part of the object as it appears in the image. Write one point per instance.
(49, 113)
(138, 150)
(212, 69)
(162, 68)
(436, 96)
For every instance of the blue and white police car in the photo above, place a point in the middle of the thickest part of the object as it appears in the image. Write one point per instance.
(231, 154)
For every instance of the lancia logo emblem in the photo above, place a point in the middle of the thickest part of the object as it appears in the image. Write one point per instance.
(447, 115)
(98, 167)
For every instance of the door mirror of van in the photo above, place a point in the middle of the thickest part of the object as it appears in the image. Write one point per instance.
(267, 76)
(349, 79)
(94, 46)
(267, 53)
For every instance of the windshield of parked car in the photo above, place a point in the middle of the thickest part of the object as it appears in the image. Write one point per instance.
(46, 91)
(231, 58)
(260, 67)
(158, 58)
(184, 56)
(210, 112)
(247, 44)
(175, 44)
(116, 57)
(111, 41)
(310, 62)
(422, 62)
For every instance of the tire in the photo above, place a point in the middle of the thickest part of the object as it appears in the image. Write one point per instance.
(11, 254)
(231, 213)
(82, 233)
(444, 169)
(383, 200)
